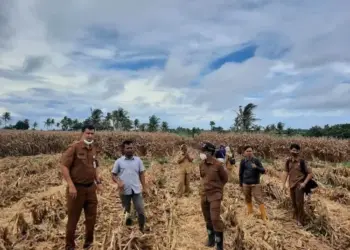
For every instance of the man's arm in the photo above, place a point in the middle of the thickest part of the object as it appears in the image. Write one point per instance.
(286, 174)
(241, 171)
(66, 163)
(142, 174)
(223, 174)
(259, 166)
(309, 174)
(115, 172)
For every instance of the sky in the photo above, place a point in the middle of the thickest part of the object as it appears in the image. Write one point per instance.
(188, 62)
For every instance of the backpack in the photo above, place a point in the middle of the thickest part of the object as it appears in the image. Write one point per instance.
(311, 184)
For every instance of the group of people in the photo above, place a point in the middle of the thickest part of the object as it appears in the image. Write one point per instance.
(80, 169)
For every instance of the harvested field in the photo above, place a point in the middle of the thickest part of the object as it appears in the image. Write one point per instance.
(33, 212)
(16, 143)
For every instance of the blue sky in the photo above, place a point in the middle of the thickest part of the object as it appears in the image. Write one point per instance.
(187, 62)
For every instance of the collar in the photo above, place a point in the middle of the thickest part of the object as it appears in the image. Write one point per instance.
(128, 159)
(83, 145)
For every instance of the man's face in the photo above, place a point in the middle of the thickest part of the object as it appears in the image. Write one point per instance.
(248, 152)
(88, 134)
(294, 152)
(129, 149)
(184, 149)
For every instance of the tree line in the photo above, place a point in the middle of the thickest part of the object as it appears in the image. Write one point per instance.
(119, 120)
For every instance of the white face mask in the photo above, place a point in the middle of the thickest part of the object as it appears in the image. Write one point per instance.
(202, 156)
(88, 142)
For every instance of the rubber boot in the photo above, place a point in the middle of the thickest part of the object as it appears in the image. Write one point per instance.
(250, 208)
(219, 240)
(211, 237)
(263, 212)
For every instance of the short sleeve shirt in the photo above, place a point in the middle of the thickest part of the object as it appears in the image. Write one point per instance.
(82, 162)
(128, 170)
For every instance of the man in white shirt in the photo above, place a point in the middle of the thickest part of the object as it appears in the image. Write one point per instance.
(129, 173)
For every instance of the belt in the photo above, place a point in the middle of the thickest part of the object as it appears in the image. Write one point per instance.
(83, 185)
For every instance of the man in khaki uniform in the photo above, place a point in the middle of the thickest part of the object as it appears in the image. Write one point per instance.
(300, 175)
(213, 178)
(184, 161)
(79, 166)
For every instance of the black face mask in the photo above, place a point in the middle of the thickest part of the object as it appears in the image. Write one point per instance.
(295, 154)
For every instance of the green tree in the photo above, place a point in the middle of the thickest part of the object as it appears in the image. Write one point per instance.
(35, 125)
(280, 127)
(153, 123)
(6, 117)
(22, 125)
(136, 123)
(245, 118)
(212, 124)
(165, 126)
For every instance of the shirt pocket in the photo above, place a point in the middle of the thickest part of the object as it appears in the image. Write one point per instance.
(82, 157)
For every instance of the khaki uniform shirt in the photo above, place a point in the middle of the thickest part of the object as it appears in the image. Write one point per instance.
(81, 160)
(213, 178)
(295, 174)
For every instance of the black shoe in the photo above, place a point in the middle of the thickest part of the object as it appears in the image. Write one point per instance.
(142, 221)
(219, 240)
(128, 221)
(211, 237)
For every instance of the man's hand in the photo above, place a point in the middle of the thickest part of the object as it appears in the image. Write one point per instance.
(302, 185)
(99, 188)
(120, 184)
(72, 191)
(145, 191)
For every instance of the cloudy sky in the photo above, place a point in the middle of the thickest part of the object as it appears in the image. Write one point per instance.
(187, 62)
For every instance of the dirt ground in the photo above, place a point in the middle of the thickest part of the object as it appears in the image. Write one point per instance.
(32, 211)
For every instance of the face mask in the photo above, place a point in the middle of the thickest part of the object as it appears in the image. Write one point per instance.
(88, 142)
(202, 156)
(295, 154)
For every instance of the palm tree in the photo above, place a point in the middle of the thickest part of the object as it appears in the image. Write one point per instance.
(118, 116)
(136, 124)
(96, 117)
(280, 127)
(6, 116)
(212, 124)
(245, 117)
(153, 123)
(165, 126)
(35, 125)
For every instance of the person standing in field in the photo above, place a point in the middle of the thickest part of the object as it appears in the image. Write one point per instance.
(300, 182)
(213, 178)
(129, 173)
(249, 178)
(79, 167)
(184, 161)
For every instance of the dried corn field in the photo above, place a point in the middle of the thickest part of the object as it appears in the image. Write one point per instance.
(33, 212)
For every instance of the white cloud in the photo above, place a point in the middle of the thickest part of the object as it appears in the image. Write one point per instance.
(285, 88)
(295, 56)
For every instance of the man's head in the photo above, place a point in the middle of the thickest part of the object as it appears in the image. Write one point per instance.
(88, 132)
(294, 149)
(248, 151)
(128, 148)
(208, 150)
